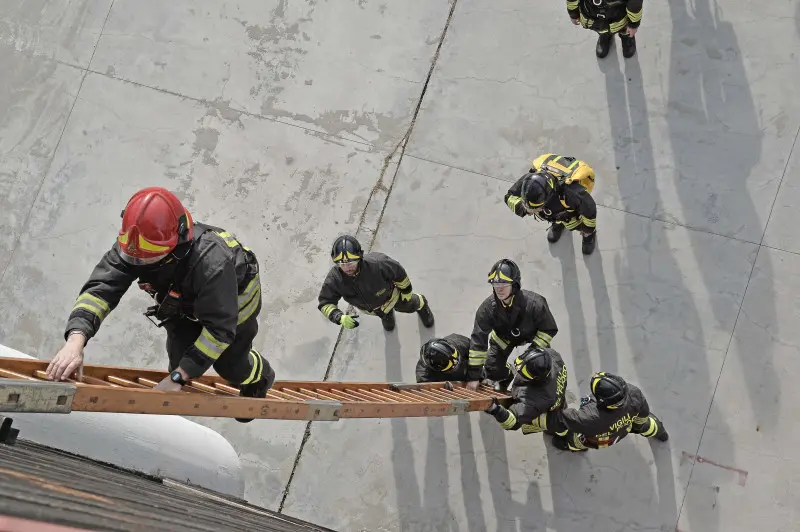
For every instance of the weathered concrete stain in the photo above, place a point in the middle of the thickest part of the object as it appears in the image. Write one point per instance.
(277, 52)
(252, 180)
(347, 121)
(53, 29)
(205, 142)
(222, 109)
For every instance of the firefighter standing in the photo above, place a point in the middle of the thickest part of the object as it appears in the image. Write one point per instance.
(510, 317)
(446, 359)
(206, 287)
(558, 189)
(539, 386)
(609, 18)
(374, 283)
(614, 409)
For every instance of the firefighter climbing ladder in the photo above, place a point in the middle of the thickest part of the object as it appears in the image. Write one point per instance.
(24, 387)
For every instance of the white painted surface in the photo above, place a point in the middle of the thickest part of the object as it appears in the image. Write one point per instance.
(164, 446)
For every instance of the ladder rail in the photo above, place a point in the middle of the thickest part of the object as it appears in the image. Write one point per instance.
(24, 388)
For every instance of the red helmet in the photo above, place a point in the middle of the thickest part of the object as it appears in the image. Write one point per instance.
(153, 223)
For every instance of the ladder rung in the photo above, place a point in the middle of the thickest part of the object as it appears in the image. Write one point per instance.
(226, 388)
(280, 395)
(14, 375)
(343, 396)
(98, 382)
(391, 396)
(429, 394)
(125, 382)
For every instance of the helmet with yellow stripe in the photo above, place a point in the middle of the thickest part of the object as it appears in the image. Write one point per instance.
(154, 223)
(608, 389)
(440, 355)
(534, 365)
(537, 189)
(346, 253)
(346, 249)
(506, 271)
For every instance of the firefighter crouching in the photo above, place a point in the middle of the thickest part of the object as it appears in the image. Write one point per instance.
(558, 190)
(608, 18)
(539, 386)
(446, 359)
(374, 283)
(206, 287)
(614, 409)
(510, 317)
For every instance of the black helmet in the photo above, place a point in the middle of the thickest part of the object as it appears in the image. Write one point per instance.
(346, 249)
(534, 364)
(506, 271)
(609, 390)
(439, 354)
(537, 188)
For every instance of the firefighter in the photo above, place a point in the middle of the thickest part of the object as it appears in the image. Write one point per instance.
(539, 386)
(508, 318)
(608, 18)
(446, 359)
(206, 288)
(373, 283)
(612, 410)
(558, 189)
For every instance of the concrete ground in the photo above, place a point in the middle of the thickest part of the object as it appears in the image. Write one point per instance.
(290, 123)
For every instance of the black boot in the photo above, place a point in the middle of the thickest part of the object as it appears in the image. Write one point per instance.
(589, 243)
(603, 44)
(425, 313)
(555, 231)
(388, 321)
(628, 45)
(257, 389)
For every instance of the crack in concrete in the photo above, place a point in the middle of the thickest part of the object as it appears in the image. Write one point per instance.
(46, 171)
(380, 186)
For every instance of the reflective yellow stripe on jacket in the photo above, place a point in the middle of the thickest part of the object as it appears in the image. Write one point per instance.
(210, 346)
(258, 367)
(499, 341)
(249, 299)
(477, 358)
(512, 202)
(405, 283)
(93, 304)
(389, 305)
(328, 309)
(510, 421)
(542, 339)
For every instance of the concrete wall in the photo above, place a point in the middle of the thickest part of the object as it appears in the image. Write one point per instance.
(163, 446)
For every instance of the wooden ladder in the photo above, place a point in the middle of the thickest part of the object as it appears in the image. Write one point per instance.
(24, 387)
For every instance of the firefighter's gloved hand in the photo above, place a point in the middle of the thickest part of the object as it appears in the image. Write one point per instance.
(494, 407)
(586, 399)
(348, 322)
(563, 216)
